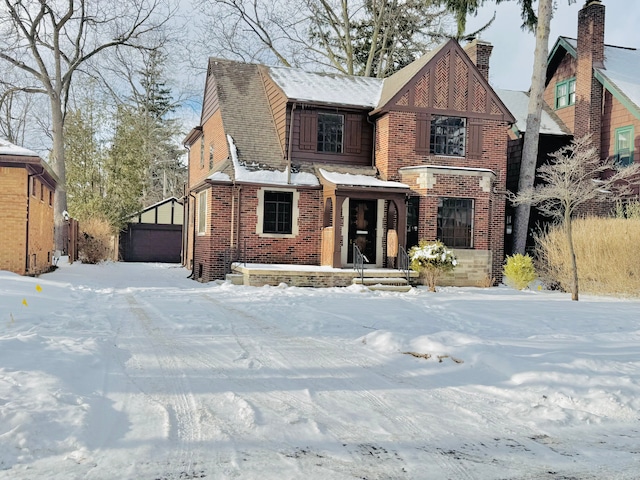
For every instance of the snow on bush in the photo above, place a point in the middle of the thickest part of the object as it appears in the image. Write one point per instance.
(430, 259)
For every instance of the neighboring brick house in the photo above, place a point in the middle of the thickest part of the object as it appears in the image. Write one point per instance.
(591, 88)
(27, 187)
(294, 167)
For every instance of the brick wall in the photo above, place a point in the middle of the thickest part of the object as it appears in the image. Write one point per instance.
(212, 248)
(489, 209)
(16, 205)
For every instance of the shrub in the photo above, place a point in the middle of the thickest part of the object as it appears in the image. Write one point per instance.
(94, 242)
(605, 253)
(519, 271)
(430, 259)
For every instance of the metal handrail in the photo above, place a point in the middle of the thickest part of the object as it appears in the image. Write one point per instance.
(358, 262)
(403, 262)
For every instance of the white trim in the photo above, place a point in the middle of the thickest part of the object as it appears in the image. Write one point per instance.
(295, 213)
(202, 229)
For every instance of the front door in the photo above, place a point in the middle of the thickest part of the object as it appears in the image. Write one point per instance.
(363, 216)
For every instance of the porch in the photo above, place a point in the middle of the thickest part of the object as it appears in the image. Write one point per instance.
(257, 275)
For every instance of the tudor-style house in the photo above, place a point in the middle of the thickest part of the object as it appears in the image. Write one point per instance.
(294, 167)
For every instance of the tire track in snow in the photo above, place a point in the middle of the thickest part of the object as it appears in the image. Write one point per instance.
(180, 404)
(331, 357)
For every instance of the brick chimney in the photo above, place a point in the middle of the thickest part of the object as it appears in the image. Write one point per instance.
(479, 52)
(589, 92)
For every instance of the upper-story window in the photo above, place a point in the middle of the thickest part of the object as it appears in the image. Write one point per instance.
(330, 132)
(624, 146)
(566, 93)
(447, 136)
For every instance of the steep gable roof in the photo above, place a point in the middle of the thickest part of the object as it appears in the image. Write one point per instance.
(620, 73)
(245, 111)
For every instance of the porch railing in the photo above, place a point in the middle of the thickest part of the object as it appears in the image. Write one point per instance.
(358, 262)
(403, 262)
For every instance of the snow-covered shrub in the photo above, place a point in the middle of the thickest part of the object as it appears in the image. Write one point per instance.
(94, 241)
(430, 260)
(519, 271)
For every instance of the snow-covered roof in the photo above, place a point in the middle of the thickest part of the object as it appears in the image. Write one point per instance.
(621, 69)
(518, 104)
(271, 177)
(327, 88)
(356, 180)
(8, 148)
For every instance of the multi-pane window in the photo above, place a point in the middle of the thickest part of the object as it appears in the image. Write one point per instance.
(624, 145)
(447, 136)
(211, 156)
(330, 132)
(202, 212)
(278, 208)
(566, 93)
(455, 222)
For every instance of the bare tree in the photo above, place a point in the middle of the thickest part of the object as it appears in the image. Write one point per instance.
(355, 37)
(575, 177)
(50, 40)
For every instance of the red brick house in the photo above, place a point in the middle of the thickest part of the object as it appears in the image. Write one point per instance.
(27, 187)
(591, 88)
(295, 167)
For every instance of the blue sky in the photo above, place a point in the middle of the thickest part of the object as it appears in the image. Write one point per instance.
(512, 57)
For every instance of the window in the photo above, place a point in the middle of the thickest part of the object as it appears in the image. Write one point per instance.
(624, 146)
(33, 187)
(447, 136)
(202, 212)
(330, 132)
(566, 93)
(50, 198)
(211, 156)
(455, 222)
(42, 192)
(278, 212)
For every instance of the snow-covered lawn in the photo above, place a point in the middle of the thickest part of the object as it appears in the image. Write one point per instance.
(132, 371)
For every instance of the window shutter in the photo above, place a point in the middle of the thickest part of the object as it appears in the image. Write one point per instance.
(308, 130)
(353, 133)
(423, 132)
(475, 139)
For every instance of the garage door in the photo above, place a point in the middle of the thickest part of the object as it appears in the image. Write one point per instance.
(141, 242)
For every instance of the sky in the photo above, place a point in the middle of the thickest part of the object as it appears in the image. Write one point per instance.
(132, 371)
(512, 56)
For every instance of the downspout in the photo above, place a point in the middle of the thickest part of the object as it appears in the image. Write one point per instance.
(26, 240)
(293, 107)
(193, 241)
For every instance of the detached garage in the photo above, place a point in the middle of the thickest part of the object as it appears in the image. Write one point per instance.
(154, 234)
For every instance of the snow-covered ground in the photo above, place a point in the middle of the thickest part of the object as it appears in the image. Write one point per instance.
(132, 371)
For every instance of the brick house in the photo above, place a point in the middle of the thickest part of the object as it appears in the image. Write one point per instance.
(295, 167)
(27, 187)
(591, 88)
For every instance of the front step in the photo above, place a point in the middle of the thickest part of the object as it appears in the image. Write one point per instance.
(387, 284)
